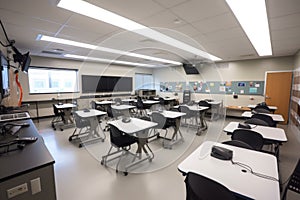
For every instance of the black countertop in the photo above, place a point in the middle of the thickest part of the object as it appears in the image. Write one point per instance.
(32, 156)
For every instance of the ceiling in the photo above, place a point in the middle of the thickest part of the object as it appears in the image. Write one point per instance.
(206, 24)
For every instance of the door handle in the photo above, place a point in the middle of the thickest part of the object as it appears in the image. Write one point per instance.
(267, 97)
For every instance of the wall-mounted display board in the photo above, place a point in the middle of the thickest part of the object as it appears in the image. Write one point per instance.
(216, 87)
(172, 86)
(92, 84)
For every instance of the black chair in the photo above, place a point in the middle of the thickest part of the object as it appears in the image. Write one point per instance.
(252, 138)
(189, 115)
(294, 182)
(261, 109)
(268, 119)
(256, 121)
(118, 101)
(238, 143)
(84, 127)
(58, 118)
(122, 142)
(162, 123)
(140, 107)
(186, 96)
(199, 187)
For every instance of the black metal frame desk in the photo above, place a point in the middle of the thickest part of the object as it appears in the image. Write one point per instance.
(94, 135)
(271, 134)
(236, 178)
(174, 139)
(275, 117)
(66, 108)
(138, 128)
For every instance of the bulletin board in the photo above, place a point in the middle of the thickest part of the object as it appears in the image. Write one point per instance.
(216, 87)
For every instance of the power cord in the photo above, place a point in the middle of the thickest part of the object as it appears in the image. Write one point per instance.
(248, 168)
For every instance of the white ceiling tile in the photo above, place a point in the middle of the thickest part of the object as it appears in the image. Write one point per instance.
(196, 10)
(42, 9)
(287, 21)
(215, 23)
(165, 19)
(79, 35)
(28, 22)
(170, 3)
(278, 8)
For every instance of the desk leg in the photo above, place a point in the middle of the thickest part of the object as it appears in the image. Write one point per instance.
(202, 126)
(94, 133)
(174, 139)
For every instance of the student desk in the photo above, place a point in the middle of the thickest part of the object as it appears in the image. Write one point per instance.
(66, 108)
(272, 108)
(269, 133)
(124, 108)
(172, 115)
(138, 128)
(92, 116)
(236, 178)
(276, 117)
(201, 110)
(216, 107)
(104, 104)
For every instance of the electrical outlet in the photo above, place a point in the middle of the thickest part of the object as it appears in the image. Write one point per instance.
(17, 190)
(35, 185)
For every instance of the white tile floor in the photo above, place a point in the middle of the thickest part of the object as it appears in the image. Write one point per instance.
(79, 174)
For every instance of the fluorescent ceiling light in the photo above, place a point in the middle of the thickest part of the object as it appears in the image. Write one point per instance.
(252, 15)
(98, 48)
(95, 12)
(107, 60)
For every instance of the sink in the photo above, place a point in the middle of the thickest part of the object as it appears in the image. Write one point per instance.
(14, 116)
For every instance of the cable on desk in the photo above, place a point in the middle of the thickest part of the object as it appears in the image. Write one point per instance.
(247, 167)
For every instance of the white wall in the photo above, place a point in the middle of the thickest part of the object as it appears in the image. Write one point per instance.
(233, 71)
(87, 68)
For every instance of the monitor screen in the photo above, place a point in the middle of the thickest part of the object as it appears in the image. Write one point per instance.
(4, 77)
(190, 69)
(26, 62)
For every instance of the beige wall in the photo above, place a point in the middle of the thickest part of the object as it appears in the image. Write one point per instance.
(232, 71)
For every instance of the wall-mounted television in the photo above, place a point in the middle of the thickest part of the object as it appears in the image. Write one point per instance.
(190, 69)
(4, 82)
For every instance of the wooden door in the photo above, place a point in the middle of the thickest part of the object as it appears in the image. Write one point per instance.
(278, 92)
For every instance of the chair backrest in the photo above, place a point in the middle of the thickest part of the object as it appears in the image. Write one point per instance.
(268, 119)
(199, 187)
(238, 143)
(186, 110)
(55, 110)
(294, 182)
(252, 138)
(261, 109)
(120, 139)
(79, 122)
(204, 103)
(161, 101)
(118, 100)
(160, 120)
(139, 103)
(256, 121)
(186, 96)
(93, 105)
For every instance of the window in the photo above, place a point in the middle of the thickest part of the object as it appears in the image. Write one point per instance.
(52, 80)
(144, 81)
